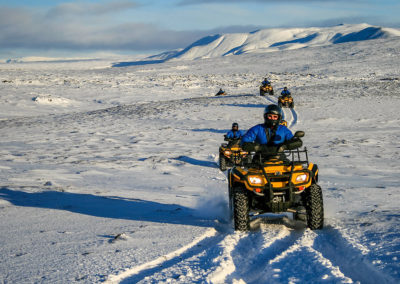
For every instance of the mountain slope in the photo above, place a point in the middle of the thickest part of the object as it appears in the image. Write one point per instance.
(269, 40)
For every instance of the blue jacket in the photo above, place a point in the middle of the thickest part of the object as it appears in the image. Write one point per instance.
(236, 134)
(287, 93)
(266, 82)
(258, 134)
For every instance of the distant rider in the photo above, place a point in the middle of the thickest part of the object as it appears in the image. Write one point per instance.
(270, 136)
(266, 82)
(285, 92)
(220, 92)
(235, 133)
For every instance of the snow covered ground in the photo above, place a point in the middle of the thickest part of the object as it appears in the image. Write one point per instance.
(110, 174)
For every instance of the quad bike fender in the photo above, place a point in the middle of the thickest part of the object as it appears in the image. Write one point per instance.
(314, 169)
(236, 177)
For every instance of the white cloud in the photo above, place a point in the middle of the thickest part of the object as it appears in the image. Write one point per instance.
(78, 9)
(198, 2)
(65, 27)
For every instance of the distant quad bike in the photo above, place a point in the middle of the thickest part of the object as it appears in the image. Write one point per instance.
(221, 93)
(284, 183)
(231, 154)
(285, 102)
(264, 89)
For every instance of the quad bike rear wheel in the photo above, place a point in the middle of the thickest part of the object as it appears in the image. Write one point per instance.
(222, 163)
(314, 207)
(241, 208)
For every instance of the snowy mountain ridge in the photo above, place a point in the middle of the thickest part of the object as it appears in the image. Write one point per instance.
(275, 39)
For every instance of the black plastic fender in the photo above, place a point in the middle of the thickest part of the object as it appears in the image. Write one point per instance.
(315, 172)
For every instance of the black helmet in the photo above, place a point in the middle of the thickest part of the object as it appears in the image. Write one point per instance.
(272, 109)
(285, 88)
(235, 124)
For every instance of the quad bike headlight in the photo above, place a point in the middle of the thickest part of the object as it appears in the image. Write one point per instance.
(227, 152)
(301, 178)
(256, 180)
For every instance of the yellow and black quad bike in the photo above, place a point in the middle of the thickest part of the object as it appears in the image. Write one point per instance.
(264, 89)
(231, 154)
(285, 101)
(221, 93)
(276, 184)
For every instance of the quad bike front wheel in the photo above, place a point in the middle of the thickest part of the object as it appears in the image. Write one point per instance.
(222, 163)
(230, 199)
(241, 209)
(314, 207)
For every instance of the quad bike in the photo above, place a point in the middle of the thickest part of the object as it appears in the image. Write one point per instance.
(286, 182)
(283, 122)
(221, 93)
(266, 89)
(231, 154)
(285, 101)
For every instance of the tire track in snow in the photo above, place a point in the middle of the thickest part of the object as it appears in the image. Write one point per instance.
(237, 261)
(220, 259)
(274, 254)
(305, 243)
(195, 265)
(253, 253)
(136, 273)
(348, 256)
(294, 118)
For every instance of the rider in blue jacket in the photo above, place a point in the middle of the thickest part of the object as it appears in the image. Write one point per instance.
(235, 133)
(285, 92)
(270, 135)
(266, 82)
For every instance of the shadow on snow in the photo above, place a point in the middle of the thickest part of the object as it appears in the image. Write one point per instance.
(137, 63)
(196, 162)
(113, 207)
(246, 105)
(212, 130)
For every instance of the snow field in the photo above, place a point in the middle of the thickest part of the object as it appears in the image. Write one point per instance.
(123, 185)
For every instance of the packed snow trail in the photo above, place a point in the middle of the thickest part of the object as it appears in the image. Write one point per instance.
(280, 253)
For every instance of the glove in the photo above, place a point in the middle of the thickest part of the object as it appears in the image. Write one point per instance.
(292, 144)
(269, 150)
(249, 147)
(226, 138)
(252, 147)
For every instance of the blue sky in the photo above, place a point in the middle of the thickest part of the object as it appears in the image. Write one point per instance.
(62, 28)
